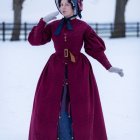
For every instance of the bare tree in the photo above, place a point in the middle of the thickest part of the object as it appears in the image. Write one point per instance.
(17, 8)
(119, 22)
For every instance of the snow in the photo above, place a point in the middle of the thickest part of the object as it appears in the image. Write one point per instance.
(21, 66)
(94, 10)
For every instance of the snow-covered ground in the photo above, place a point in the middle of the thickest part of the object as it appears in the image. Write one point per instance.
(20, 68)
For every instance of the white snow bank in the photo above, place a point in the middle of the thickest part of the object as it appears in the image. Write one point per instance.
(20, 68)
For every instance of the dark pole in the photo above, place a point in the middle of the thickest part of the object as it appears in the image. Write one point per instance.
(3, 31)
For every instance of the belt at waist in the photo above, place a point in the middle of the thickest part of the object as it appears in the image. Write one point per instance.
(67, 54)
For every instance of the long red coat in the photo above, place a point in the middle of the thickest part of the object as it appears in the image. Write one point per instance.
(87, 116)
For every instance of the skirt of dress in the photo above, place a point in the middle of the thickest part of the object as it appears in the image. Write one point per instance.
(65, 120)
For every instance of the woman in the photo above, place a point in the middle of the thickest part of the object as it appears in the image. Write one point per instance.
(66, 103)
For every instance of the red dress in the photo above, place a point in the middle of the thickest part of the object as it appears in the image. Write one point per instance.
(86, 111)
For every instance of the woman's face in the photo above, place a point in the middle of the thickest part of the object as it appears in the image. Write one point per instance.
(66, 8)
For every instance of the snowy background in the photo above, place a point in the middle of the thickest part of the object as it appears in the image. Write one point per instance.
(94, 10)
(21, 65)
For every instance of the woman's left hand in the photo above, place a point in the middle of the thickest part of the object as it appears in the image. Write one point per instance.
(116, 70)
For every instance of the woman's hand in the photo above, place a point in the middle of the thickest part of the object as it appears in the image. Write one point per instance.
(51, 16)
(116, 70)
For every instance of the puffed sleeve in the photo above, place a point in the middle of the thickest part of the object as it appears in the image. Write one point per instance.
(95, 47)
(40, 34)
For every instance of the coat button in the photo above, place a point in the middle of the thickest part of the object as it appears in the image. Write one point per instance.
(58, 138)
(72, 138)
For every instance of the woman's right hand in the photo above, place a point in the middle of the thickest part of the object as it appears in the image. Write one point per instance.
(51, 16)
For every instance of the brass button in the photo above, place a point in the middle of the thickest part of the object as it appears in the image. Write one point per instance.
(65, 37)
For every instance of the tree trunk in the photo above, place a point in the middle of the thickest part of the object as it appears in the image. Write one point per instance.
(17, 8)
(119, 23)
